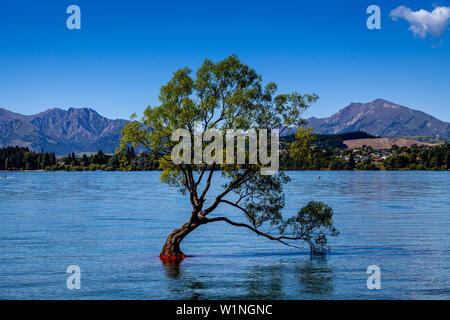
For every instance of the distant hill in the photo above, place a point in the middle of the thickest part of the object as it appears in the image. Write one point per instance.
(325, 141)
(60, 131)
(383, 143)
(429, 139)
(381, 118)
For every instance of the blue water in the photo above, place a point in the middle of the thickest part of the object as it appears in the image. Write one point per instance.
(113, 224)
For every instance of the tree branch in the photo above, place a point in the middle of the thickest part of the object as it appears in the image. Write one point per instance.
(268, 236)
(208, 184)
(243, 209)
(233, 185)
(201, 175)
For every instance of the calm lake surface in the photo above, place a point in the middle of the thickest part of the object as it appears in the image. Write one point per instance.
(113, 224)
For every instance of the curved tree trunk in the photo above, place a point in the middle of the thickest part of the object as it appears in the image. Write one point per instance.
(171, 249)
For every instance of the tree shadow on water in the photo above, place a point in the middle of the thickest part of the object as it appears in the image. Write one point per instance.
(290, 279)
(306, 278)
(315, 276)
(172, 268)
(184, 285)
(265, 282)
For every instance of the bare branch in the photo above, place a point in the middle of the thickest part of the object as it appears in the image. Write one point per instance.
(268, 236)
(201, 175)
(208, 184)
(189, 185)
(241, 208)
(232, 186)
(193, 188)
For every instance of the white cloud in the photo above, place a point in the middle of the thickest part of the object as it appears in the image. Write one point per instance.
(423, 22)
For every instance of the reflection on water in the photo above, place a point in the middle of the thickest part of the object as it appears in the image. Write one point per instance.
(172, 268)
(311, 276)
(181, 281)
(315, 277)
(265, 282)
(113, 225)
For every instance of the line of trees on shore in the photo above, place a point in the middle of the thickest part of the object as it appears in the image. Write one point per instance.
(21, 158)
(104, 162)
(331, 158)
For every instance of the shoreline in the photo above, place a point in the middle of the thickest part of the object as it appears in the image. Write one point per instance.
(40, 170)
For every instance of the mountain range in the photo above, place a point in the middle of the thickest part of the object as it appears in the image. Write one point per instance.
(84, 130)
(382, 118)
(60, 131)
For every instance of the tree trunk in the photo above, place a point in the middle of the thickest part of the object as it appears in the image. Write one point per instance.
(171, 249)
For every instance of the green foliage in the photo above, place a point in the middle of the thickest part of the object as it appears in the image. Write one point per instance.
(366, 158)
(104, 162)
(397, 162)
(263, 197)
(21, 158)
(419, 158)
(300, 148)
(222, 95)
(366, 166)
(314, 224)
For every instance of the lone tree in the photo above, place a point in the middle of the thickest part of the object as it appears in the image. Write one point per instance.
(228, 95)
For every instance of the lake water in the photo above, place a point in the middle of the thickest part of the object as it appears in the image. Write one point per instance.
(113, 224)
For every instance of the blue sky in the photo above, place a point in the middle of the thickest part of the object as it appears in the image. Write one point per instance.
(126, 50)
